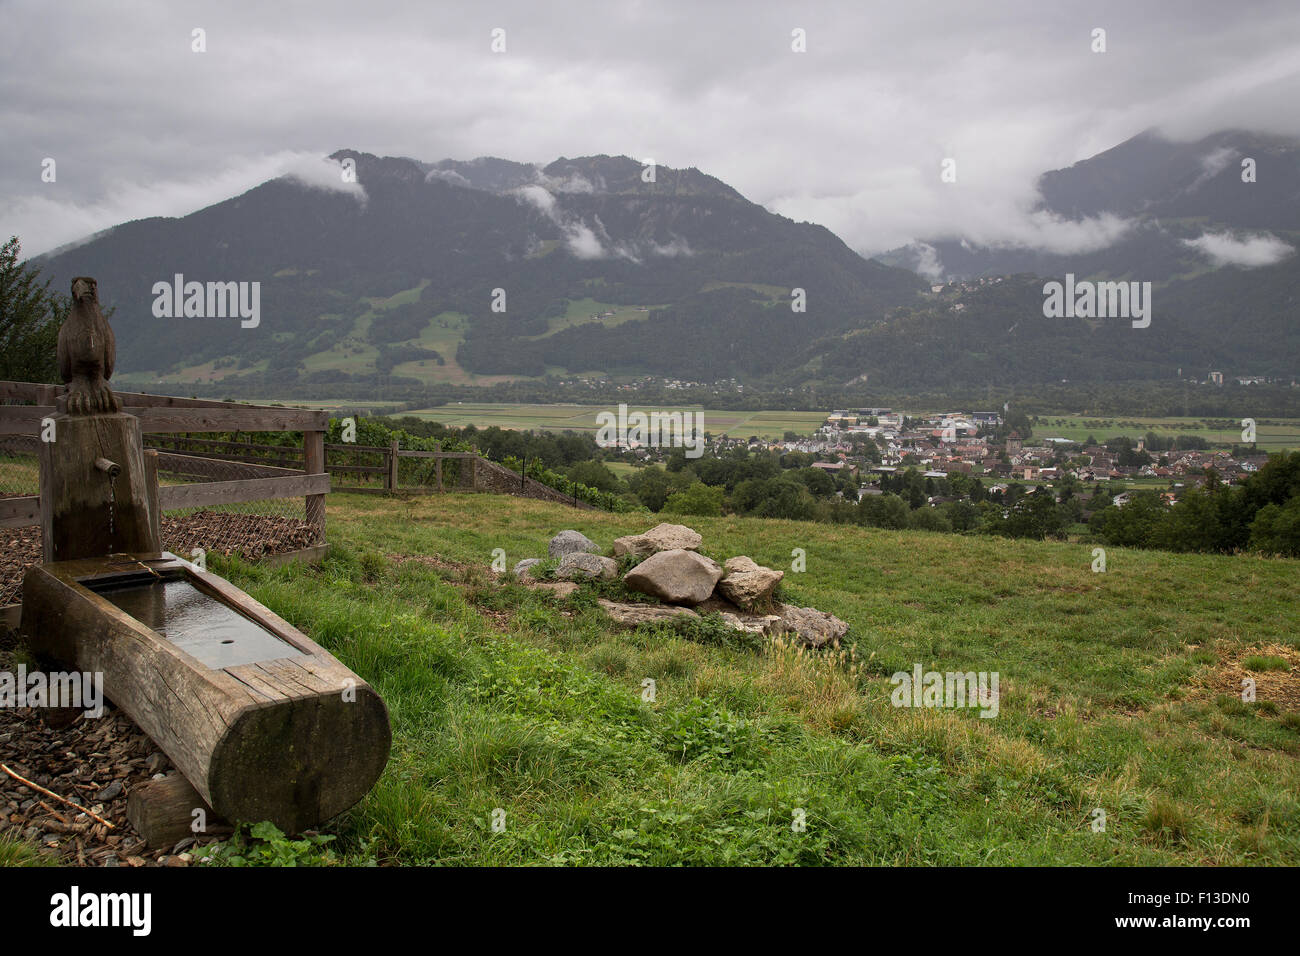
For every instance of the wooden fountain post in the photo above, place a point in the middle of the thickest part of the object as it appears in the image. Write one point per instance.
(96, 497)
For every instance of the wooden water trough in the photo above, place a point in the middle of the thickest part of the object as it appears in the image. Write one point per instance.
(265, 723)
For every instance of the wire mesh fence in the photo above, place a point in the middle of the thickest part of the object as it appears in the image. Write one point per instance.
(417, 474)
(369, 468)
(252, 529)
(358, 467)
(19, 547)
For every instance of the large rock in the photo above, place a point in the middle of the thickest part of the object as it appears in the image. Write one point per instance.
(715, 602)
(571, 542)
(581, 565)
(561, 589)
(748, 585)
(754, 623)
(812, 627)
(632, 613)
(662, 537)
(521, 569)
(675, 577)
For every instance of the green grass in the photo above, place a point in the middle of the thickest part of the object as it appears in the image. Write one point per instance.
(19, 475)
(1257, 662)
(581, 311)
(1117, 692)
(19, 853)
(773, 292)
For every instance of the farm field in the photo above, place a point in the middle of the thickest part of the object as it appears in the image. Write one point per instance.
(579, 418)
(331, 404)
(1118, 691)
(1272, 435)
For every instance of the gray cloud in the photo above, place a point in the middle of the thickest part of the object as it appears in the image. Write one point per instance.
(1248, 251)
(578, 236)
(850, 134)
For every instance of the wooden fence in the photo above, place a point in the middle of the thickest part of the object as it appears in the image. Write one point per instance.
(165, 415)
(387, 473)
(301, 474)
(376, 469)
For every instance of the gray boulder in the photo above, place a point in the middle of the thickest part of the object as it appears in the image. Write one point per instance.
(632, 614)
(675, 577)
(748, 585)
(561, 589)
(521, 569)
(571, 542)
(810, 626)
(662, 537)
(754, 623)
(581, 565)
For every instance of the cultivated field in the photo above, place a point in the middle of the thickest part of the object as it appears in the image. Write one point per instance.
(1119, 691)
(580, 418)
(1271, 435)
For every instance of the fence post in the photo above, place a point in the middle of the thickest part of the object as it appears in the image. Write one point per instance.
(313, 463)
(151, 491)
(46, 500)
(437, 463)
(392, 467)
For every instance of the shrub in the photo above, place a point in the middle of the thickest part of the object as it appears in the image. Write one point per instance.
(928, 519)
(699, 499)
(268, 846)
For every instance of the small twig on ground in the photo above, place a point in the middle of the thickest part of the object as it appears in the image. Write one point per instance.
(49, 793)
(54, 813)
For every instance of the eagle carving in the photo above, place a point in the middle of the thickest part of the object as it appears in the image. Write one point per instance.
(87, 353)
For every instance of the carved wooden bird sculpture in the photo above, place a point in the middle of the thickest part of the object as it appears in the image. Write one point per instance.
(87, 353)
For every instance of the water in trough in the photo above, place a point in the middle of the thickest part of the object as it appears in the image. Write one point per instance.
(197, 623)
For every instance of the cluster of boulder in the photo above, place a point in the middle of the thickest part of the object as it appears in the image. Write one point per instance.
(687, 583)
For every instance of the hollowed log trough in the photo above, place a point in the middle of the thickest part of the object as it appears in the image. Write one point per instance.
(263, 722)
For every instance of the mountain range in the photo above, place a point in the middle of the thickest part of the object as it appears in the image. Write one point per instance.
(480, 271)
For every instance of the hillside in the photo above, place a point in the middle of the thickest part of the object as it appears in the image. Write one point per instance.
(1220, 254)
(400, 282)
(1168, 195)
(996, 334)
(1118, 691)
(606, 275)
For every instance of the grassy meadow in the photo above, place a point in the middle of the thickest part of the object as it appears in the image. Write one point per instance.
(1119, 690)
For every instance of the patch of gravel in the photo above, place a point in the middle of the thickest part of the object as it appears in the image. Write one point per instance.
(93, 762)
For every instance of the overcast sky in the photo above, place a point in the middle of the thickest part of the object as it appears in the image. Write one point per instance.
(850, 134)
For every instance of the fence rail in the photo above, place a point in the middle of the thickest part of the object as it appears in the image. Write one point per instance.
(389, 471)
(215, 495)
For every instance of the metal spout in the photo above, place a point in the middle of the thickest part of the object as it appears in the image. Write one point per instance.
(110, 468)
